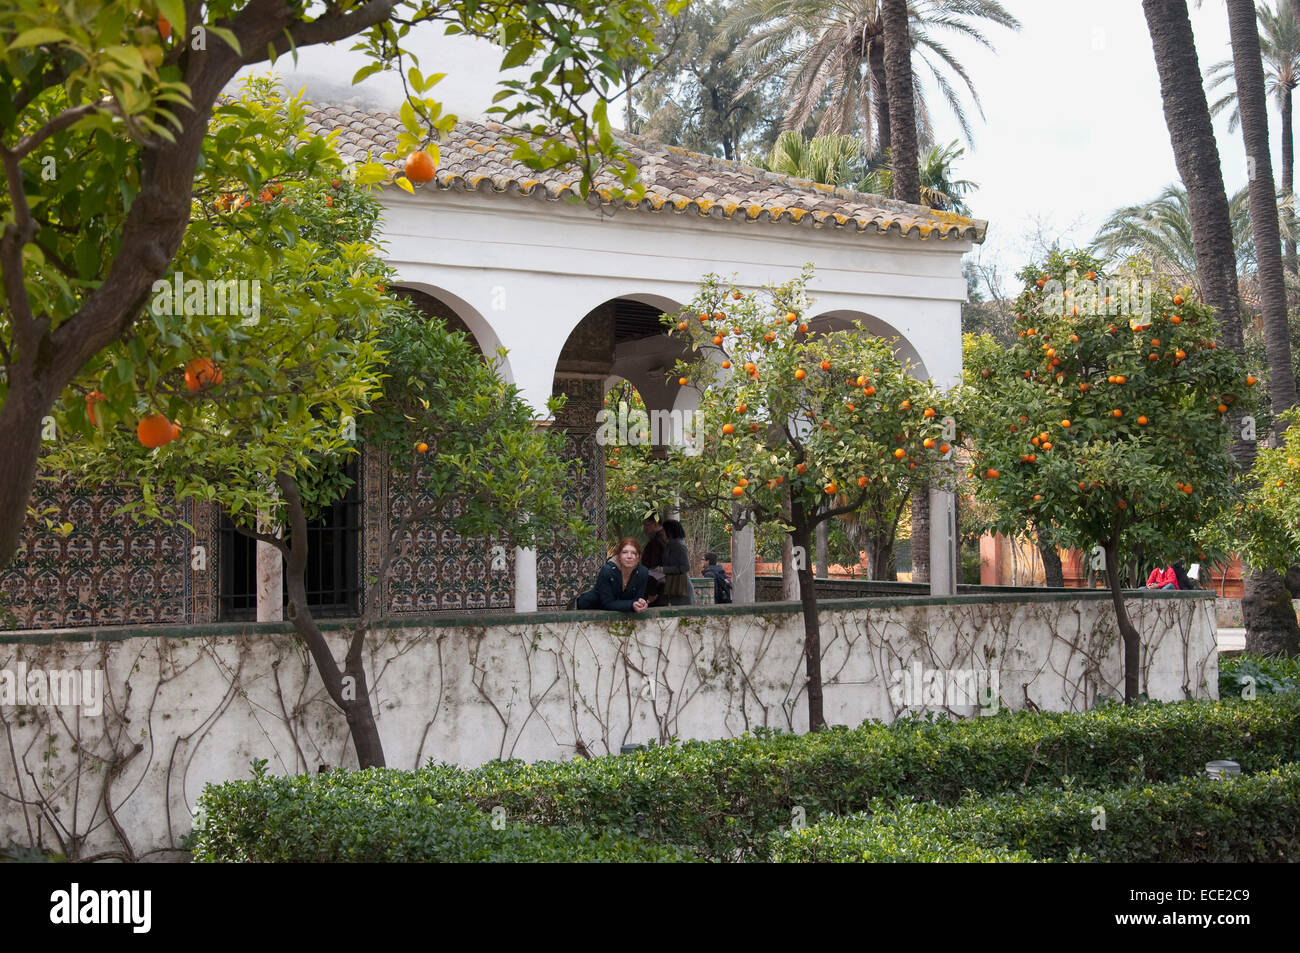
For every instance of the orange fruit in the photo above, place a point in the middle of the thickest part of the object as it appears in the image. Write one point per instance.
(769, 337)
(92, 399)
(900, 453)
(928, 443)
(832, 489)
(726, 365)
(682, 325)
(1065, 424)
(419, 166)
(1281, 482)
(1117, 413)
(849, 406)
(1142, 421)
(737, 491)
(869, 390)
(200, 373)
(1223, 408)
(1120, 379)
(422, 447)
(800, 374)
(741, 408)
(803, 329)
(728, 429)
(1175, 319)
(1252, 381)
(164, 28)
(1040, 282)
(1091, 276)
(751, 367)
(1178, 299)
(791, 318)
(1037, 497)
(155, 431)
(944, 448)
(929, 412)
(905, 405)
(742, 482)
(719, 316)
(862, 481)
(737, 294)
(682, 381)
(801, 467)
(1047, 446)
(825, 365)
(1083, 387)
(1187, 488)
(992, 474)
(1180, 354)
(717, 339)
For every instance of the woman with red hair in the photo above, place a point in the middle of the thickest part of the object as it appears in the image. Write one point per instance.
(620, 585)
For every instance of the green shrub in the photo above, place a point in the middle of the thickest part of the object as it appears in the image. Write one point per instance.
(1267, 675)
(723, 799)
(1247, 819)
(364, 817)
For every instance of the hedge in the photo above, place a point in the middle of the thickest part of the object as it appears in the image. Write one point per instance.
(361, 817)
(723, 799)
(1266, 675)
(1242, 820)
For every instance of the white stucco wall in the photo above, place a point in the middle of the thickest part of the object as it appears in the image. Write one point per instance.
(522, 272)
(184, 711)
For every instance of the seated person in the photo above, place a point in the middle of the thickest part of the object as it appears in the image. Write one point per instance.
(621, 582)
(1162, 579)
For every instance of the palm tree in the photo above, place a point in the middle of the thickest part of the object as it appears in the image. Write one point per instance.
(1161, 232)
(831, 160)
(820, 48)
(1270, 620)
(1279, 42)
(1196, 154)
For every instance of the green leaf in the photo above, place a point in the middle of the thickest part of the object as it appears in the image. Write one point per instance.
(38, 35)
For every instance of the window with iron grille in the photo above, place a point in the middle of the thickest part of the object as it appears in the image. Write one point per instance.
(332, 576)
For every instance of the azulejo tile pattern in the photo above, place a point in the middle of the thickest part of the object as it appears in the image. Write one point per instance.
(110, 570)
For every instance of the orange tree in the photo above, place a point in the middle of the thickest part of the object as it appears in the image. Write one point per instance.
(258, 410)
(797, 427)
(104, 108)
(1109, 420)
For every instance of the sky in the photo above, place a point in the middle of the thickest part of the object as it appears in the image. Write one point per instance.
(1072, 126)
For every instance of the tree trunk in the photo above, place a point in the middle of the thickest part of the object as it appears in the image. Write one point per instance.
(1288, 180)
(347, 687)
(921, 534)
(902, 108)
(1253, 106)
(812, 649)
(1269, 616)
(880, 558)
(1053, 574)
(1196, 155)
(879, 93)
(1132, 641)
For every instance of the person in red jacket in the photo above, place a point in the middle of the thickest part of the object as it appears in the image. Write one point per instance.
(1162, 578)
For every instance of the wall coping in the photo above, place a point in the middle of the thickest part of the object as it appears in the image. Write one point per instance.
(489, 620)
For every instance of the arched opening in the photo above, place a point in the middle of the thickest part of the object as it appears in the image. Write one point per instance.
(843, 320)
(623, 338)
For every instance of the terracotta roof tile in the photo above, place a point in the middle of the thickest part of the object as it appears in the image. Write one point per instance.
(476, 157)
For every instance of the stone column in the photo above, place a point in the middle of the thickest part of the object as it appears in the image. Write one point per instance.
(742, 565)
(525, 580)
(823, 568)
(943, 543)
(270, 583)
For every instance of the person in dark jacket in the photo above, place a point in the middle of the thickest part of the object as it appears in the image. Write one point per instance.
(656, 545)
(721, 584)
(621, 582)
(677, 568)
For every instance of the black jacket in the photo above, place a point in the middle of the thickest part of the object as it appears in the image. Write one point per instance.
(609, 592)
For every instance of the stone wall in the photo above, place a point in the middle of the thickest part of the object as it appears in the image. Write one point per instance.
(183, 707)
